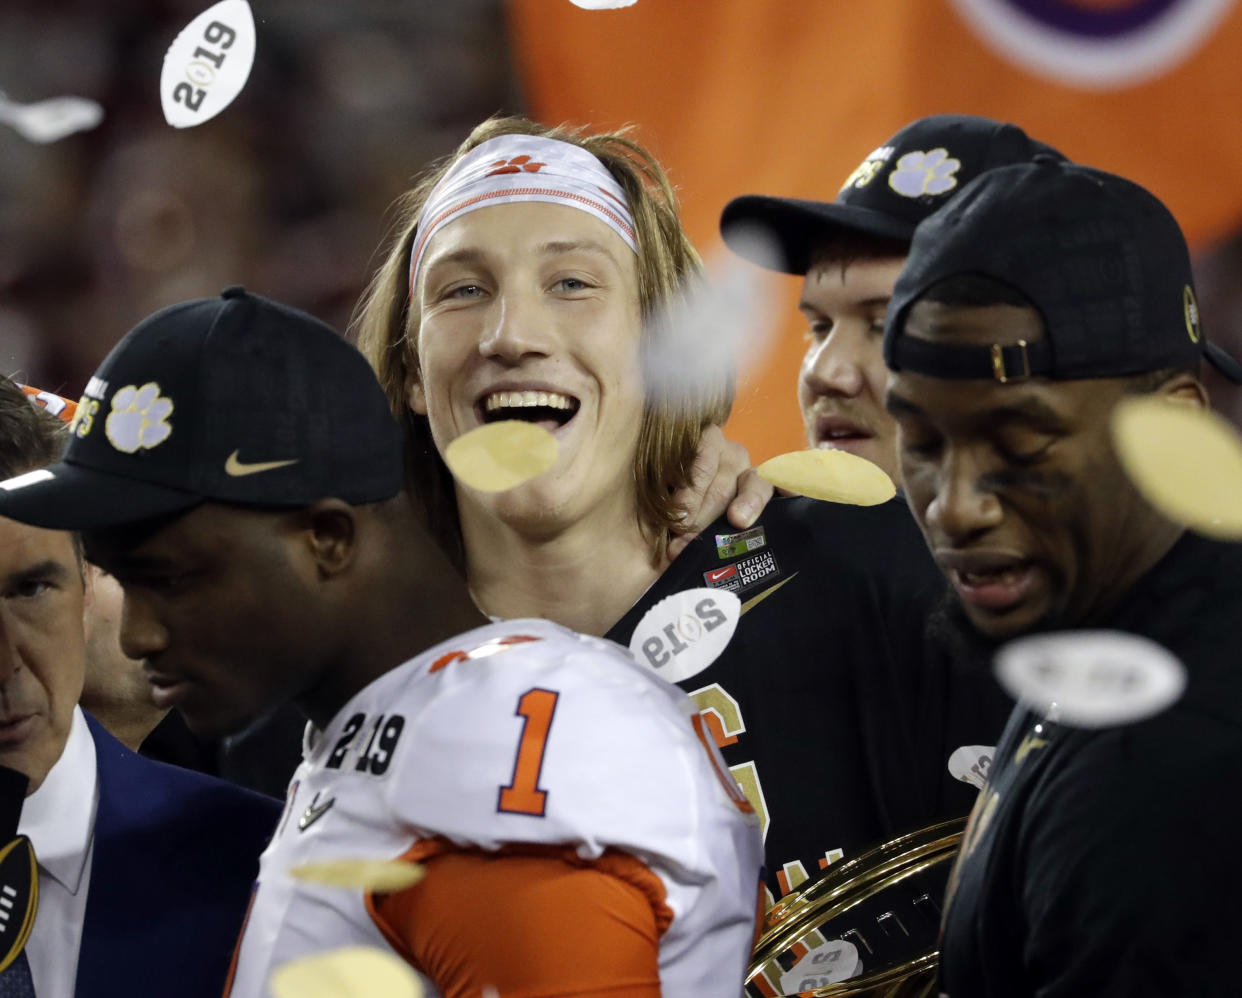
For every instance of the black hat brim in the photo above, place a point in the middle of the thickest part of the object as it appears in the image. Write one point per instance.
(1223, 362)
(78, 498)
(798, 227)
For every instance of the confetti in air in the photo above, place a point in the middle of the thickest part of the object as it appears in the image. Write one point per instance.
(349, 972)
(970, 764)
(49, 120)
(381, 876)
(208, 64)
(1091, 679)
(833, 475)
(500, 456)
(822, 965)
(686, 632)
(1186, 461)
(723, 323)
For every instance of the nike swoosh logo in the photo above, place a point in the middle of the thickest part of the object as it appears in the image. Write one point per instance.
(313, 813)
(754, 601)
(238, 468)
(719, 574)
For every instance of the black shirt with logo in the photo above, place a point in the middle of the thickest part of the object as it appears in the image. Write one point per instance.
(828, 704)
(1106, 862)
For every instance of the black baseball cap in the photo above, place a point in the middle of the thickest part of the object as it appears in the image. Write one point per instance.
(897, 186)
(1101, 259)
(236, 399)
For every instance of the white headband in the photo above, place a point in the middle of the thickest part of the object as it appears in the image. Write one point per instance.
(511, 168)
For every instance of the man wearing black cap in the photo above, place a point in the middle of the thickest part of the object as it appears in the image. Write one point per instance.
(1098, 862)
(141, 891)
(849, 252)
(236, 467)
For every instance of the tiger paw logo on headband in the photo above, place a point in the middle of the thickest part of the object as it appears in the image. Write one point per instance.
(920, 173)
(139, 418)
(518, 164)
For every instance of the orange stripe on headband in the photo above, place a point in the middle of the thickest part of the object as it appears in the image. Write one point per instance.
(519, 168)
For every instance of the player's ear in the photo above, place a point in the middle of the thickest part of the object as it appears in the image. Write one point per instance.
(88, 587)
(415, 397)
(1186, 389)
(330, 532)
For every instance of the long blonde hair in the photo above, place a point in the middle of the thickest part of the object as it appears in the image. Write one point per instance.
(387, 327)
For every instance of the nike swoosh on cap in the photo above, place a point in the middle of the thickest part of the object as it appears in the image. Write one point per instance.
(720, 573)
(237, 468)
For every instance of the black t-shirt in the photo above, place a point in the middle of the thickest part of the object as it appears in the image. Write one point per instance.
(836, 716)
(1105, 862)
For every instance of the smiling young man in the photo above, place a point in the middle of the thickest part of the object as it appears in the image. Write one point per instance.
(533, 268)
(1098, 862)
(238, 471)
(849, 252)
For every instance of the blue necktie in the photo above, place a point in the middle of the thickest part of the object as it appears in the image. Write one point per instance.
(15, 981)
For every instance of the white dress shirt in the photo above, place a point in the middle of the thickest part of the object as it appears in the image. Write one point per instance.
(59, 818)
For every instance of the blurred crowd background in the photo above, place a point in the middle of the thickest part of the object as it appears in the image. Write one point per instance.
(288, 190)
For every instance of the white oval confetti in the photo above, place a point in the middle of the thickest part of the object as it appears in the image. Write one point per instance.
(208, 64)
(684, 633)
(828, 963)
(970, 764)
(602, 4)
(52, 119)
(832, 475)
(1091, 679)
(348, 972)
(380, 875)
(500, 456)
(1186, 461)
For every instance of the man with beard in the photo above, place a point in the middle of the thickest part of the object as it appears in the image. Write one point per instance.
(1028, 308)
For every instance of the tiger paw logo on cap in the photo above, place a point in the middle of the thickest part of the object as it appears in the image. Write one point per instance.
(918, 173)
(139, 418)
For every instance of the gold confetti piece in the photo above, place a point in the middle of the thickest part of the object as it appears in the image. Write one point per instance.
(501, 456)
(1186, 461)
(834, 475)
(381, 875)
(349, 972)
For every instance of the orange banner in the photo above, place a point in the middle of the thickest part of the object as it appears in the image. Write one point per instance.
(785, 97)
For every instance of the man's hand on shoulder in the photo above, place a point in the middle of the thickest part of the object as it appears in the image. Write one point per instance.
(721, 479)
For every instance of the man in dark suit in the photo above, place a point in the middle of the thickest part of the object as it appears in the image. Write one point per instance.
(144, 869)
